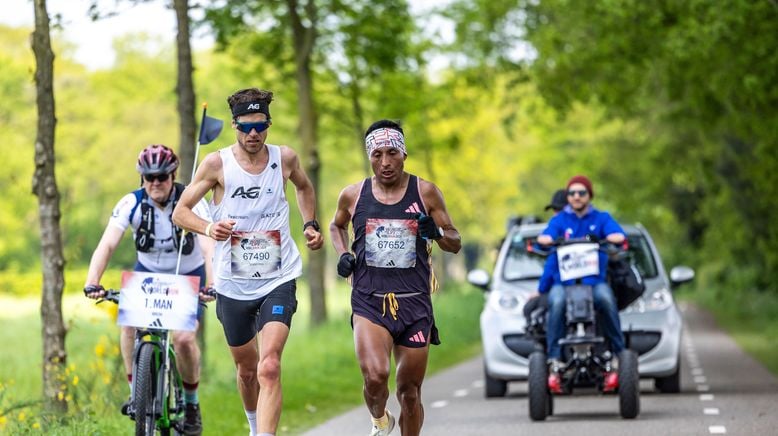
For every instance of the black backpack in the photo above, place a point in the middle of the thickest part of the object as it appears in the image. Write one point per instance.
(144, 236)
(625, 280)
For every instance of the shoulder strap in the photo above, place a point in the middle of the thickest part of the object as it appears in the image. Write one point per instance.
(139, 196)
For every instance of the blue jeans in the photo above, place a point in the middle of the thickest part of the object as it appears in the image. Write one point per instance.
(604, 306)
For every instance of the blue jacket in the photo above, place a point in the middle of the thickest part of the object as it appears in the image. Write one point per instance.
(568, 225)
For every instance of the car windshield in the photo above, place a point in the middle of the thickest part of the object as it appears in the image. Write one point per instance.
(521, 263)
(640, 255)
(525, 258)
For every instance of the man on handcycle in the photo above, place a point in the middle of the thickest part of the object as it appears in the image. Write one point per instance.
(579, 219)
(148, 211)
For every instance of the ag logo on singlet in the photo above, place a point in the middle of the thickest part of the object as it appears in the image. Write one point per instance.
(242, 192)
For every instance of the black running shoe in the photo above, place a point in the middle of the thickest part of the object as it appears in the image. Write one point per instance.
(193, 425)
(127, 409)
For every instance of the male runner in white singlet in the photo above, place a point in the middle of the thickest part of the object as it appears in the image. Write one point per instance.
(256, 260)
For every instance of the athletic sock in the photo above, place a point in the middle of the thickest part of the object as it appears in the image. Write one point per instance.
(382, 422)
(190, 393)
(251, 415)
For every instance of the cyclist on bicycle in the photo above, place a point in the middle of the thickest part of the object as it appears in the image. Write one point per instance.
(580, 219)
(148, 211)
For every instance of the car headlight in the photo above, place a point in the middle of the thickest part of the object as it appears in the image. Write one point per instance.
(660, 299)
(507, 302)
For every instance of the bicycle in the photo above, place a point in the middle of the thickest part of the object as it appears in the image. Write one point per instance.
(157, 401)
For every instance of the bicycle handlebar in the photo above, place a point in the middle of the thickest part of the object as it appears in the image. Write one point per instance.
(112, 295)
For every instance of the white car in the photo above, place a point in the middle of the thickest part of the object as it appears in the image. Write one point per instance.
(651, 325)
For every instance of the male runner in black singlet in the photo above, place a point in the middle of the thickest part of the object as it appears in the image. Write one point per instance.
(395, 216)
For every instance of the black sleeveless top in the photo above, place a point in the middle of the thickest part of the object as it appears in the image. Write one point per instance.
(391, 257)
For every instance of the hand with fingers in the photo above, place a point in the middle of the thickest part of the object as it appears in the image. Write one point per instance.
(346, 264)
(207, 294)
(428, 229)
(220, 230)
(94, 291)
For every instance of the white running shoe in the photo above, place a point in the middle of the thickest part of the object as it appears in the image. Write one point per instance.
(384, 432)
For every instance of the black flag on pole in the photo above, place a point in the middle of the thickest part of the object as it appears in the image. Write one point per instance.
(210, 128)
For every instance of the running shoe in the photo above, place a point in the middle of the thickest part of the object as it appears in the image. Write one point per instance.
(384, 431)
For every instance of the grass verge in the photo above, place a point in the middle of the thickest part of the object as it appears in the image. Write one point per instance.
(749, 317)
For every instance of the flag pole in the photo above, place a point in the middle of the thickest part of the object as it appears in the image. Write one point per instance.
(194, 168)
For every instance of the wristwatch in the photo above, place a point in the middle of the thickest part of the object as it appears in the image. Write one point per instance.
(312, 223)
(440, 232)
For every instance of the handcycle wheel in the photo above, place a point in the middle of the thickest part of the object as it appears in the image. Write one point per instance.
(629, 385)
(539, 404)
(143, 394)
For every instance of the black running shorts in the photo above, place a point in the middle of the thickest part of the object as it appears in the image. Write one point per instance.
(415, 323)
(243, 319)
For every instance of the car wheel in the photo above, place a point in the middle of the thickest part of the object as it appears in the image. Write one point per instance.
(539, 404)
(670, 384)
(629, 384)
(494, 387)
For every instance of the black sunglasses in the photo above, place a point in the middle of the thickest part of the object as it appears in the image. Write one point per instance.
(580, 192)
(248, 127)
(151, 177)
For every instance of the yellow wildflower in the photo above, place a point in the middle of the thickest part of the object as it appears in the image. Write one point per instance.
(36, 426)
(60, 395)
(21, 417)
(75, 380)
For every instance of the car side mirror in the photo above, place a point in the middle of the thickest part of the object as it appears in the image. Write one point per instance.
(680, 274)
(479, 278)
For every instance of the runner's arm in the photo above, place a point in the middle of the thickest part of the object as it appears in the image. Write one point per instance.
(306, 196)
(436, 208)
(339, 224)
(204, 180)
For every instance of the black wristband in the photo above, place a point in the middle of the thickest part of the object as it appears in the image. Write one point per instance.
(312, 223)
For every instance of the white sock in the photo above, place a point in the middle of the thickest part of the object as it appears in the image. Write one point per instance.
(252, 417)
(382, 422)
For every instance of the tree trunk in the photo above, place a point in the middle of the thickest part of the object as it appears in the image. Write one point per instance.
(304, 39)
(359, 118)
(185, 92)
(44, 186)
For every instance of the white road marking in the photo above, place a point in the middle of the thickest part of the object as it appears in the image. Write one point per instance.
(703, 388)
(478, 384)
(706, 397)
(700, 379)
(439, 404)
(710, 411)
(717, 429)
(697, 371)
(460, 393)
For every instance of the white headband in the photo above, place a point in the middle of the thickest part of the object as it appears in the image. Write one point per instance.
(384, 137)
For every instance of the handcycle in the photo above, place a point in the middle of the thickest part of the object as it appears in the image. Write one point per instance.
(585, 358)
(157, 401)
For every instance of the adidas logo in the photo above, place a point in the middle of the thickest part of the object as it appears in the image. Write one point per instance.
(256, 275)
(413, 208)
(390, 263)
(157, 323)
(418, 338)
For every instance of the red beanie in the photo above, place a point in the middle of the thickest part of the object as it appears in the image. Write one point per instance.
(584, 181)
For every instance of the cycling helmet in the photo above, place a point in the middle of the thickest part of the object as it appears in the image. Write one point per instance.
(157, 159)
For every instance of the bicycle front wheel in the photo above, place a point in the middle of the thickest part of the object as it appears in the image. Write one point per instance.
(143, 394)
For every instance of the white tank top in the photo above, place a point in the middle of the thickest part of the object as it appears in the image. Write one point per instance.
(261, 255)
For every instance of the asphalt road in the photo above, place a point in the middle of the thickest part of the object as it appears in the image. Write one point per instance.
(724, 391)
